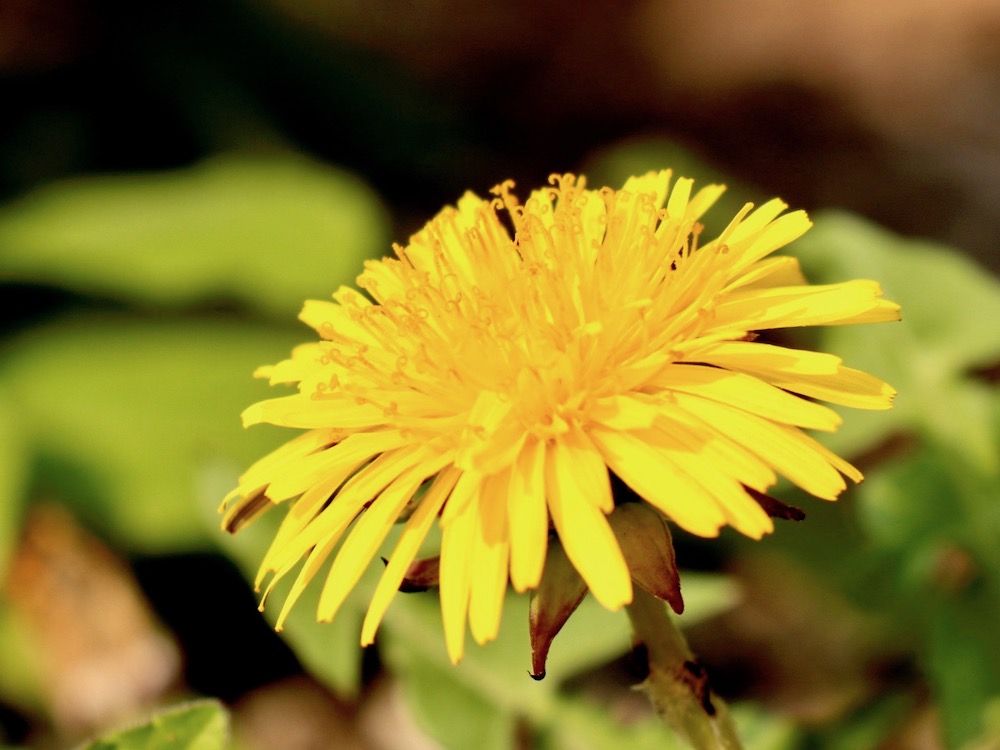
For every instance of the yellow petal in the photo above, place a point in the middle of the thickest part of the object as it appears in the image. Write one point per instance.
(302, 512)
(647, 471)
(748, 393)
(756, 221)
(781, 271)
(299, 475)
(369, 531)
(313, 563)
(679, 197)
(812, 374)
(651, 183)
(704, 199)
(264, 470)
(456, 561)
(465, 491)
(717, 448)
(789, 451)
(529, 517)
(490, 555)
(489, 411)
(848, 387)
(359, 490)
(406, 550)
(883, 311)
(784, 307)
(584, 530)
(782, 231)
(304, 411)
(627, 411)
(594, 222)
(301, 365)
(686, 452)
(767, 359)
(330, 319)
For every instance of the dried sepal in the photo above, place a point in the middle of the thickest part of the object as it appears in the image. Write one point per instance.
(558, 595)
(422, 575)
(246, 509)
(775, 508)
(648, 547)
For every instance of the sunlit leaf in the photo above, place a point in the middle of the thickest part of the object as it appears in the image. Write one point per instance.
(123, 414)
(950, 308)
(13, 475)
(21, 679)
(197, 726)
(269, 232)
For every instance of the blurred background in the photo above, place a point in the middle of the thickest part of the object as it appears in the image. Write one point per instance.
(176, 178)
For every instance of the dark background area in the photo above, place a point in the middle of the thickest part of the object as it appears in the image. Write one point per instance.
(892, 110)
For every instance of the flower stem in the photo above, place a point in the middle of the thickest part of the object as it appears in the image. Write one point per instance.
(677, 684)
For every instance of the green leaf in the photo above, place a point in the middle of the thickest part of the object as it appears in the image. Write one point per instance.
(950, 308)
(22, 679)
(990, 737)
(492, 685)
(197, 726)
(269, 232)
(456, 716)
(963, 660)
(13, 478)
(931, 514)
(125, 415)
(583, 725)
(949, 302)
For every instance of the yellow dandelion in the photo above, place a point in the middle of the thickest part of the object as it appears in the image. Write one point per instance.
(496, 385)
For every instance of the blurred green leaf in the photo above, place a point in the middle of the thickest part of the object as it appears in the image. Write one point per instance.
(269, 232)
(197, 726)
(878, 724)
(931, 514)
(963, 659)
(21, 679)
(456, 716)
(762, 730)
(950, 308)
(13, 475)
(124, 415)
(990, 738)
(581, 726)
(491, 686)
(950, 304)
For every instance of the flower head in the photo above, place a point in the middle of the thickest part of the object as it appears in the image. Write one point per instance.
(489, 382)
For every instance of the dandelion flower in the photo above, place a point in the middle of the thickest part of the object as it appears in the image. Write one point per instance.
(497, 383)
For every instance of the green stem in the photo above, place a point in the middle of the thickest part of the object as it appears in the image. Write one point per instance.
(677, 684)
